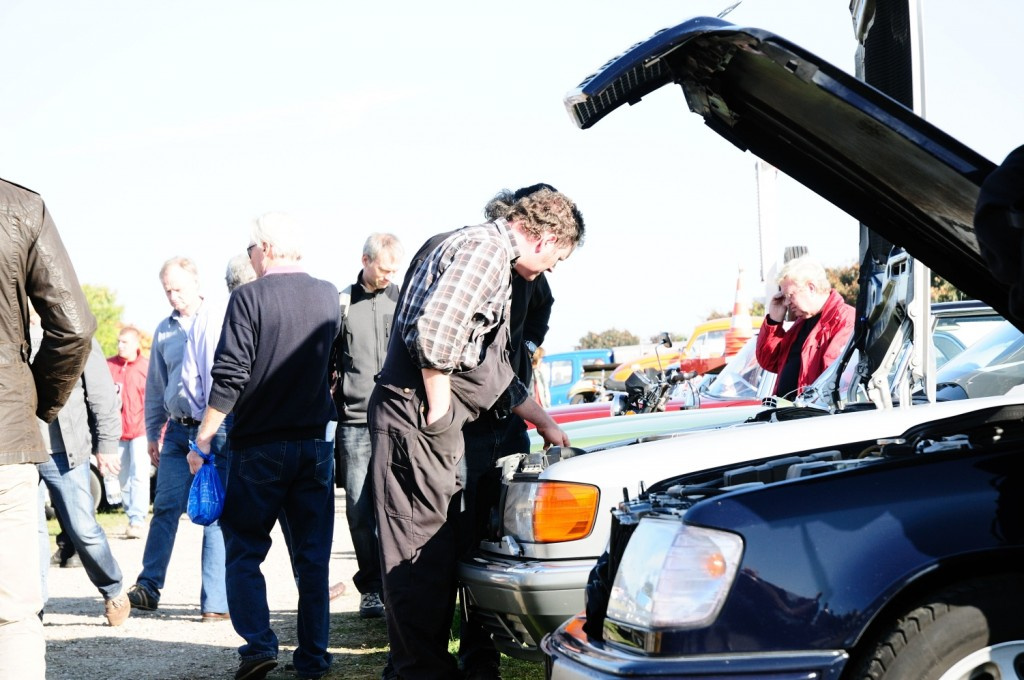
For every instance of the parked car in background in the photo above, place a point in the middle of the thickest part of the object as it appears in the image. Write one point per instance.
(566, 369)
(850, 554)
(705, 351)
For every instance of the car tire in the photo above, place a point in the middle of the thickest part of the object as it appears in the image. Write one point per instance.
(970, 630)
(96, 488)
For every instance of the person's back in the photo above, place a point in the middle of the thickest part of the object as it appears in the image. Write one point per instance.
(290, 332)
(37, 269)
(271, 372)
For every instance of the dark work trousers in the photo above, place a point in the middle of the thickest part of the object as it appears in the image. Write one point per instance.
(418, 500)
(487, 439)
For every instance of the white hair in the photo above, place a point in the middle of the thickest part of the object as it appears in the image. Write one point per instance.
(281, 231)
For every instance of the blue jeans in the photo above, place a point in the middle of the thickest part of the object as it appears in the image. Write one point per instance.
(134, 478)
(173, 482)
(293, 480)
(72, 501)
(362, 523)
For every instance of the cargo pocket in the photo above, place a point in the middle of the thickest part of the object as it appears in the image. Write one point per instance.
(399, 480)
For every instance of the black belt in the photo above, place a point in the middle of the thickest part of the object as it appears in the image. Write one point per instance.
(187, 422)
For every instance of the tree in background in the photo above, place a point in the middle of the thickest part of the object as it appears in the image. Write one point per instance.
(609, 338)
(846, 282)
(103, 303)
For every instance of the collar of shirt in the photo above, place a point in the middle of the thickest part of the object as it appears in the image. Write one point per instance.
(501, 224)
(285, 269)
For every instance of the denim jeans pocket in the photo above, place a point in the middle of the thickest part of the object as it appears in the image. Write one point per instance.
(262, 464)
(324, 472)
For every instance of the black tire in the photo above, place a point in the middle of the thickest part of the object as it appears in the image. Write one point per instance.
(971, 630)
(96, 487)
(582, 398)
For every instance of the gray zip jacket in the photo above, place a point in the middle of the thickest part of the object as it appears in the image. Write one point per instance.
(91, 419)
(361, 348)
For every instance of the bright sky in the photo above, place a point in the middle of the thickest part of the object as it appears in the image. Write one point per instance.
(160, 129)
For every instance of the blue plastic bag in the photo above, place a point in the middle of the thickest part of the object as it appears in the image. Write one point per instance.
(206, 496)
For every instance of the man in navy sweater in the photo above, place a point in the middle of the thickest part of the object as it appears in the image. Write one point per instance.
(271, 371)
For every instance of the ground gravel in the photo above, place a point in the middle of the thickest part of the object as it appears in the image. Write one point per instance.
(172, 643)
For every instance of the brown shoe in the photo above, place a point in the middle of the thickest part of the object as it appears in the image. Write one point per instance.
(117, 610)
(337, 590)
(211, 617)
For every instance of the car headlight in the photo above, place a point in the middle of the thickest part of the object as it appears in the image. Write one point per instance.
(549, 512)
(673, 575)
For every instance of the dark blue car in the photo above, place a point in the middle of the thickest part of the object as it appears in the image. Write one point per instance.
(898, 559)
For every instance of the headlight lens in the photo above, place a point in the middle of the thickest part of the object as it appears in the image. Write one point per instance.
(550, 512)
(673, 575)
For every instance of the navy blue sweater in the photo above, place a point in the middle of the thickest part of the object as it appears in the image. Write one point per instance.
(271, 365)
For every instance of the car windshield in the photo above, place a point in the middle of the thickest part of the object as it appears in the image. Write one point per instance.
(740, 377)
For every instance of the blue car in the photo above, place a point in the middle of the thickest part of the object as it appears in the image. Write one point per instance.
(898, 557)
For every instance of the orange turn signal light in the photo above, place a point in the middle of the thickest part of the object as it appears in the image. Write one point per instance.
(563, 511)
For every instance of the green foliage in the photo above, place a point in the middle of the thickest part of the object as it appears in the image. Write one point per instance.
(944, 291)
(846, 281)
(103, 303)
(610, 338)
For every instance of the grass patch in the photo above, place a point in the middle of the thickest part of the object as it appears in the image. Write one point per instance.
(360, 648)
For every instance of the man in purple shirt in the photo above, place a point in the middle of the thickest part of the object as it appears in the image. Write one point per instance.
(448, 362)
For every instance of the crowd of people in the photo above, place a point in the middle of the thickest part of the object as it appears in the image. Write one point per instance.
(404, 395)
(379, 388)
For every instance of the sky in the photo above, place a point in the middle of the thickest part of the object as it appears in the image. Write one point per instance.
(156, 129)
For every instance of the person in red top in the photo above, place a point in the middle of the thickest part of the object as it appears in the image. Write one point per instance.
(128, 369)
(822, 325)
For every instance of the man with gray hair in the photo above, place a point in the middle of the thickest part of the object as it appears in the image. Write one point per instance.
(271, 373)
(822, 325)
(167, 405)
(368, 314)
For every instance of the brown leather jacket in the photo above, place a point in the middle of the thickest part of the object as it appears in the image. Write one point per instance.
(36, 270)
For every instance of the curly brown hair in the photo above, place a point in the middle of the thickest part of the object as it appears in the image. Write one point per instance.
(546, 211)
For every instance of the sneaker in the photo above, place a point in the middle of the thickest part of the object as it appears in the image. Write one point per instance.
(133, 531)
(141, 599)
(254, 669)
(58, 560)
(117, 610)
(370, 606)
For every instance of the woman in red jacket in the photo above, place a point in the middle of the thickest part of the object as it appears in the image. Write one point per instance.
(822, 324)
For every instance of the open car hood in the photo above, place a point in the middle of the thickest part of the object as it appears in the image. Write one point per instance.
(869, 155)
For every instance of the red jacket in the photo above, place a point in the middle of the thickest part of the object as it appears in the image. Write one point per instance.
(130, 380)
(822, 347)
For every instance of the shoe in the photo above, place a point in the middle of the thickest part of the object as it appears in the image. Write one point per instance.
(212, 617)
(370, 606)
(133, 531)
(57, 560)
(254, 669)
(141, 599)
(337, 590)
(117, 610)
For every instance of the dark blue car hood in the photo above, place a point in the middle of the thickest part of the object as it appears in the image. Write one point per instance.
(866, 153)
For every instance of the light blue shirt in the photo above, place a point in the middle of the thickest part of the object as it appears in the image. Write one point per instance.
(165, 397)
(200, 346)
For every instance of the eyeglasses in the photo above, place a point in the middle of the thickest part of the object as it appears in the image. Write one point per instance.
(248, 251)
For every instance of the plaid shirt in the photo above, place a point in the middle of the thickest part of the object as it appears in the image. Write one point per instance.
(456, 296)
